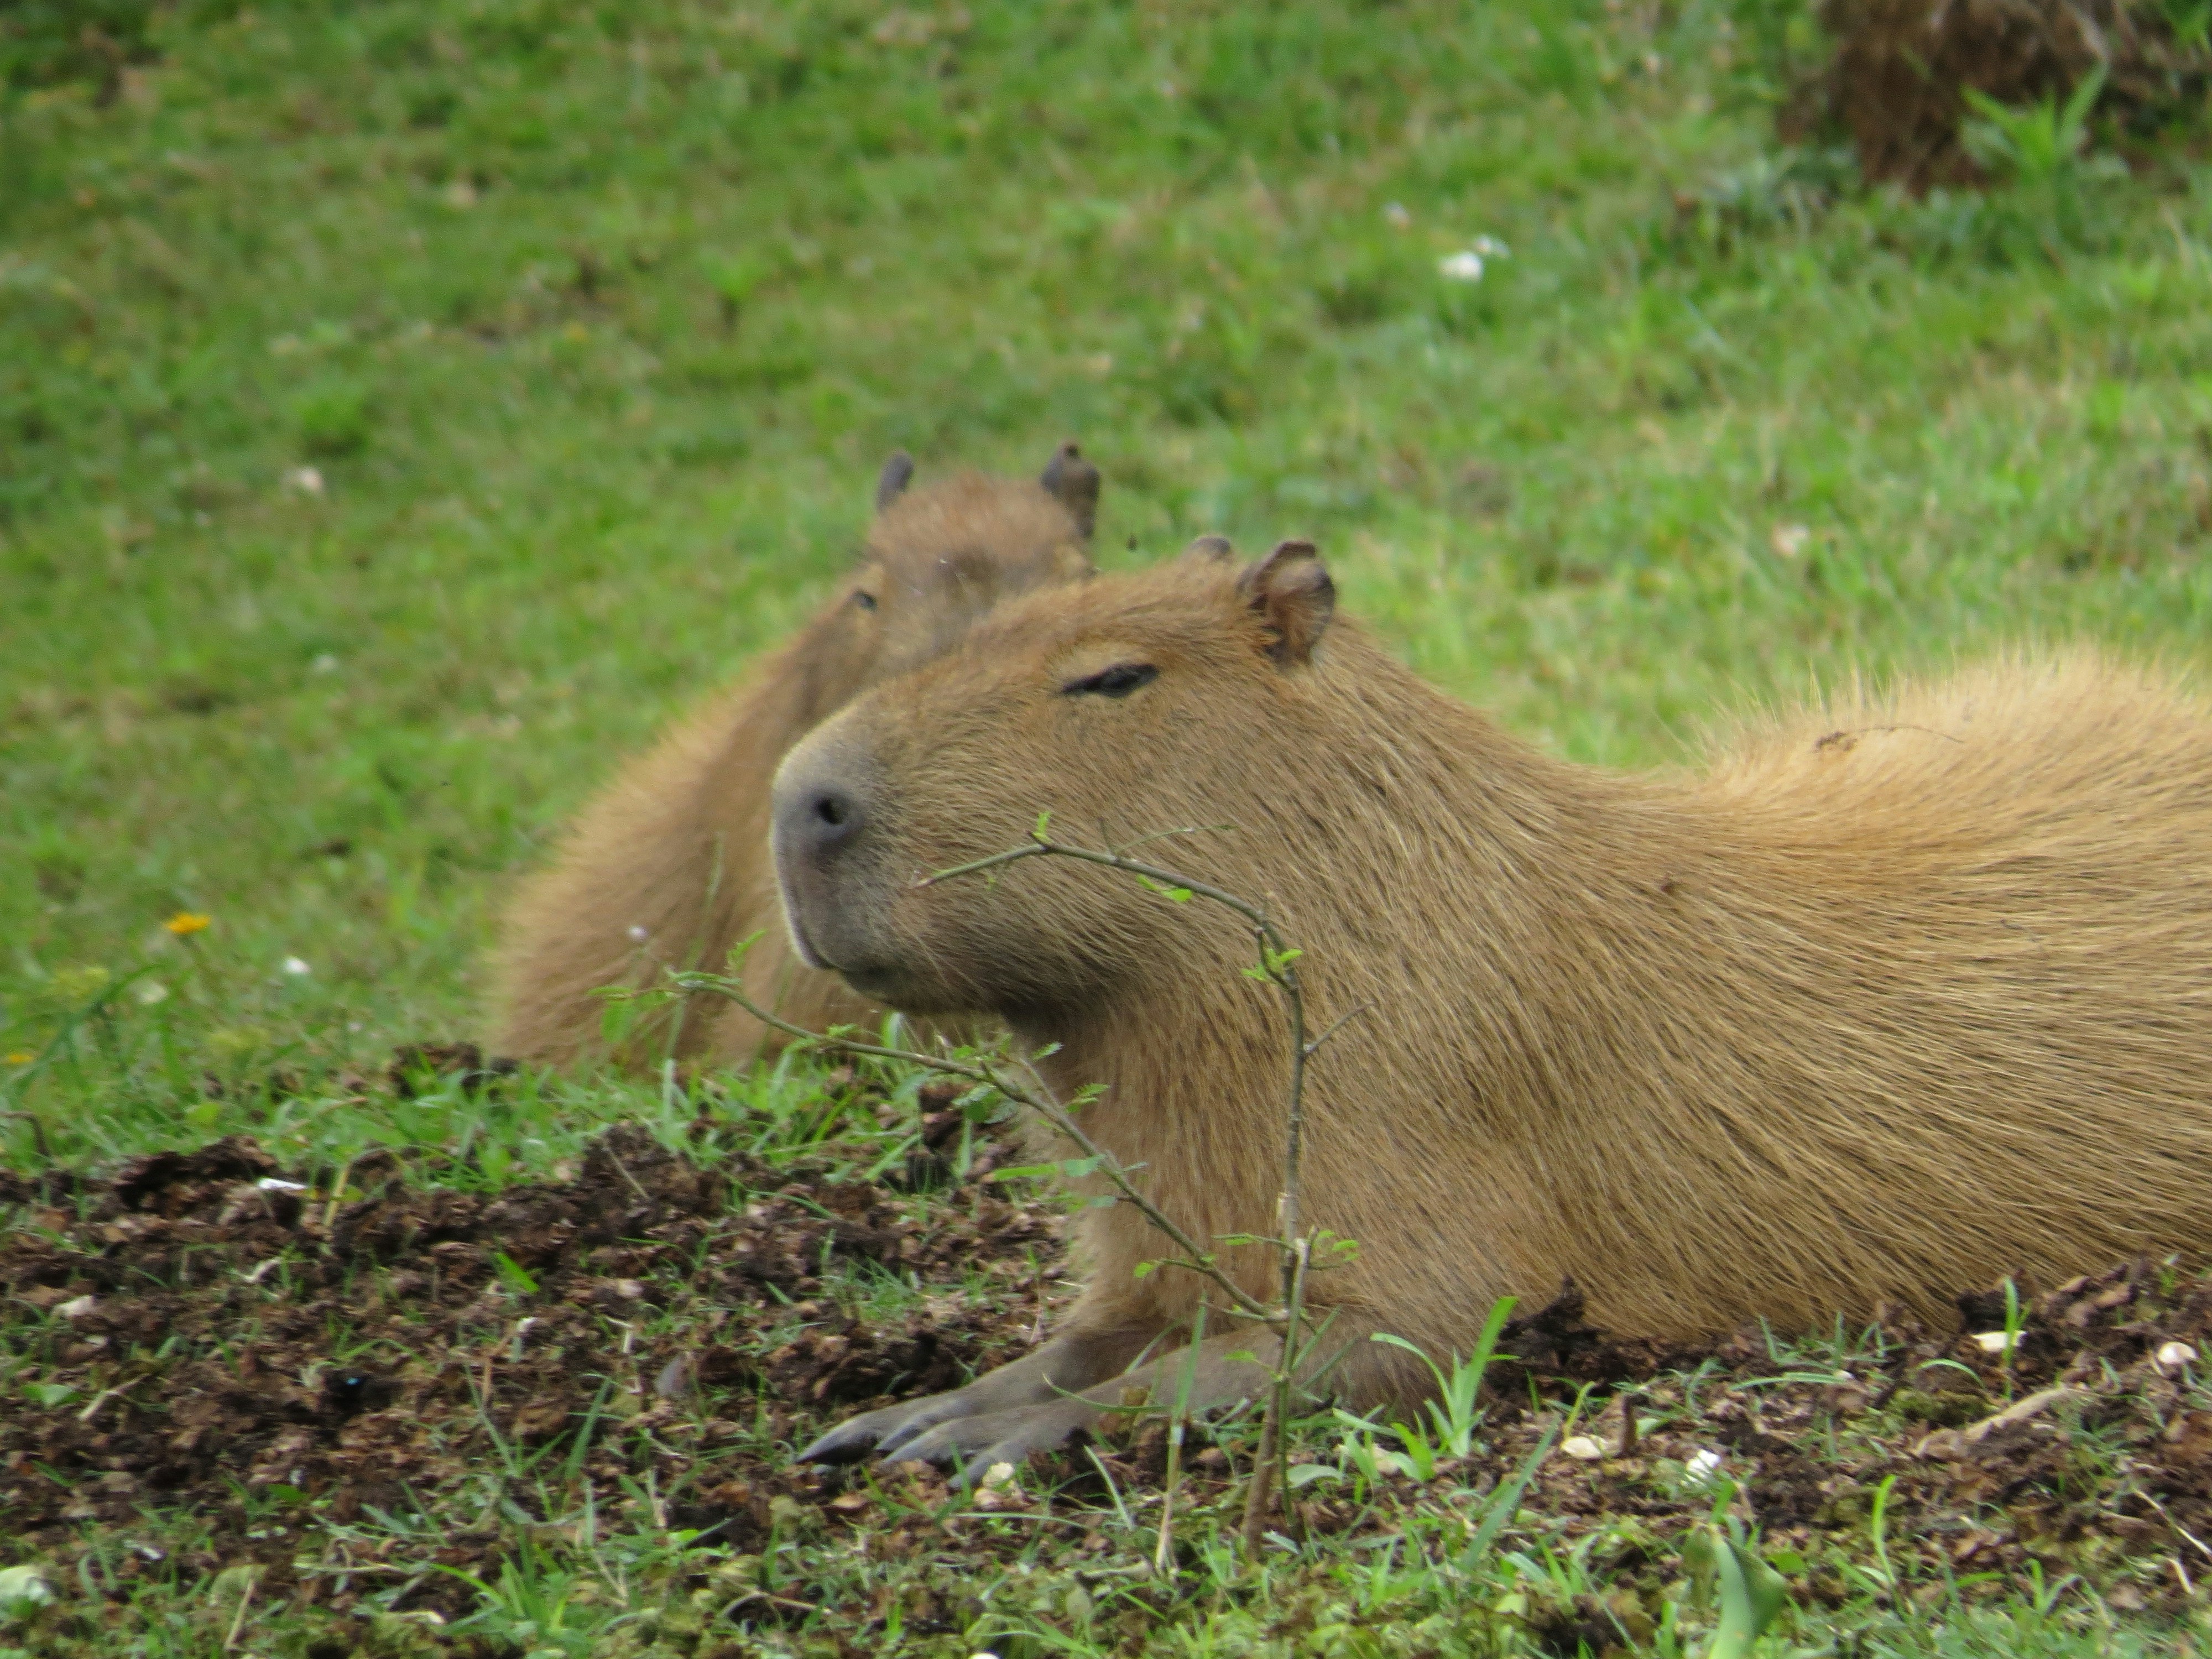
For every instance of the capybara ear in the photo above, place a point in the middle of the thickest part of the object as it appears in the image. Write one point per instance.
(891, 482)
(1074, 482)
(1291, 589)
(1209, 549)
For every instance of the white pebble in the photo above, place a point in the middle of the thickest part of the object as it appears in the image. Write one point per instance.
(274, 1184)
(77, 1307)
(2175, 1356)
(1703, 1465)
(1991, 1341)
(1587, 1447)
(1465, 266)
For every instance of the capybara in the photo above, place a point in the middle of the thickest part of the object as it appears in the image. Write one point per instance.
(1889, 1000)
(668, 867)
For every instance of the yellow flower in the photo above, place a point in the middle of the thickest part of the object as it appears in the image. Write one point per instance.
(20, 1057)
(184, 921)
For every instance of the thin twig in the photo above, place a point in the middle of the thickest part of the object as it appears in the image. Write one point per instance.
(1178, 1422)
(238, 1620)
(1277, 967)
(1039, 1100)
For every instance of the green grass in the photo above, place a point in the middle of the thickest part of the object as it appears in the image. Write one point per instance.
(592, 324)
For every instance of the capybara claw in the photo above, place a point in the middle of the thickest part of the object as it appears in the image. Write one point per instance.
(971, 1446)
(853, 1440)
(840, 1445)
(884, 1430)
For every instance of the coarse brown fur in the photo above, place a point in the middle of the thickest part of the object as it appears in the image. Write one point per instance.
(668, 867)
(1895, 997)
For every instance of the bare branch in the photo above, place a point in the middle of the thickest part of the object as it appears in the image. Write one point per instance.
(1277, 966)
(1039, 1099)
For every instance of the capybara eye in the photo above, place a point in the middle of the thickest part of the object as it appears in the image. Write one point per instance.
(1119, 681)
(865, 600)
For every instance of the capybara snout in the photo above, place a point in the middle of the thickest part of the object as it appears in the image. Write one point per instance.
(821, 814)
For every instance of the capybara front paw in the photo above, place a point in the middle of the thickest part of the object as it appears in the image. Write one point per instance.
(970, 1446)
(855, 1437)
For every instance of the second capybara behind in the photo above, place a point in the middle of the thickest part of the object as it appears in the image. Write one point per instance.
(668, 867)
(1892, 999)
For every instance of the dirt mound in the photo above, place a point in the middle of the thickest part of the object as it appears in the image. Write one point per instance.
(220, 1339)
(1897, 82)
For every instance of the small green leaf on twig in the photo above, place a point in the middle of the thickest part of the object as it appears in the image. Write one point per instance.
(1180, 895)
(1070, 1168)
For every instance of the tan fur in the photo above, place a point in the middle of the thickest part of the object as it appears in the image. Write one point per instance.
(676, 847)
(1893, 998)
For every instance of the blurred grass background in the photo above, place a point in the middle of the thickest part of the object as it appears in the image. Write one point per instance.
(405, 407)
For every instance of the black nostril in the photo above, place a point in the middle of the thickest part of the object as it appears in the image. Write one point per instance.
(833, 816)
(820, 811)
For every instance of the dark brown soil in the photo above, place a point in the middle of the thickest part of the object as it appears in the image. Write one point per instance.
(220, 1347)
(1897, 81)
(205, 1343)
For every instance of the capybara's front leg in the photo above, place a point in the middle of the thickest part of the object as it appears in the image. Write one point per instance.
(1036, 1403)
(1071, 1361)
(1225, 1370)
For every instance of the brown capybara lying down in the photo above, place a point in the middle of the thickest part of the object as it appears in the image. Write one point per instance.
(1893, 998)
(668, 867)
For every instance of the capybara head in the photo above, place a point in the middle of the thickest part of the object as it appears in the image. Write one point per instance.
(1180, 697)
(938, 558)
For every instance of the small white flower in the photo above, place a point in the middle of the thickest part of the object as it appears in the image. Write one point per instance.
(1490, 248)
(149, 991)
(1465, 266)
(293, 966)
(307, 480)
(639, 934)
(2175, 1356)
(272, 1184)
(22, 1589)
(1991, 1341)
(77, 1307)
(1703, 1465)
(1587, 1447)
(1789, 540)
(1395, 216)
(326, 664)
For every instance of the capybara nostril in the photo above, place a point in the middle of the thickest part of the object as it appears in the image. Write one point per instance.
(820, 809)
(836, 815)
